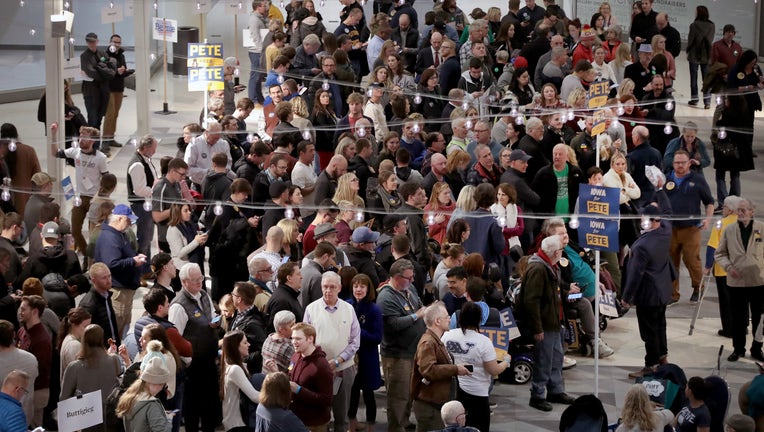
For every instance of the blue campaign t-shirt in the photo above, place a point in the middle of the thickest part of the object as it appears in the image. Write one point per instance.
(690, 419)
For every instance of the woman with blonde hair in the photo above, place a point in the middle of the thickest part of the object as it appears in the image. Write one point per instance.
(347, 190)
(618, 177)
(346, 148)
(639, 413)
(139, 407)
(465, 204)
(621, 59)
(437, 212)
(292, 238)
(626, 88)
(606, 13)
(301, 118)
(658, 43)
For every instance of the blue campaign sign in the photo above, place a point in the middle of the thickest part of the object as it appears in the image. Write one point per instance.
(595, 232)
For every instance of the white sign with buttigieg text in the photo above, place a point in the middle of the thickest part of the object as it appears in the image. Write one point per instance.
(112, 14)
(80, 412)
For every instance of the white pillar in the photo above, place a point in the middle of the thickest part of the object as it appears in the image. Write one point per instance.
(54, 89)
(142, 13)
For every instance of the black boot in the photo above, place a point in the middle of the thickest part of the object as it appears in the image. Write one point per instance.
(756, 351)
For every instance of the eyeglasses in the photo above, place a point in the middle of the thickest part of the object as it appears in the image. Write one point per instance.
(26, 392)
(266, 270)
(235, 295)
(408, 278)
(181, 173)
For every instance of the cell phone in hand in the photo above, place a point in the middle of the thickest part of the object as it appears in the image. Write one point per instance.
(216, 319)
(575, 296)
(470, 368)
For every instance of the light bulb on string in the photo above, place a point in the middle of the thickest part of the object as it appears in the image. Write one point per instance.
(669, 105)
(645, 223)
(306, 135)
(147, 206)
(718, 100)
(415, 128)
(325, 85)
(468, 124)
(198, 6)
(620, 109)
(12, 145)
(71, 41)
(250, 137)
(32, 32)
(322, 3)
(75, 143)
(571, 115)
(271, 115)
(236, 72)
(465, 106)
(722, 132)
(718, 224)
(66, 5)
(430, 218)
(111, 5)
(281, 4)
(77, 201)
(417, 99)
(152, 56)
(519, 120)
(289, 212)
(667, 129)
(280, 79)
(359, 217)
(362, 2)
(573, 222)
(361, 132)
(502, 221)
(241, 6)
(514, 112)
(6, 196)
(218, 209)
(21, 3)
(369, 92)
(156, 6)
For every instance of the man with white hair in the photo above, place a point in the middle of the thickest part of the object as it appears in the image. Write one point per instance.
(193, 313)
(729, 216)
(277, 348)
(543, 317)
(339, 335)
(434, 371)
(199, 153)
(305, 63)
(454, 417)
(557, 184)
(531, 145)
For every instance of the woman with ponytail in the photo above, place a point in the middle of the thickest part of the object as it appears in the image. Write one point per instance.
(70, 334)
(139, 407)
(234, 380)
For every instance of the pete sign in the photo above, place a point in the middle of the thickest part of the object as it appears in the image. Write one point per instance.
(594, 231)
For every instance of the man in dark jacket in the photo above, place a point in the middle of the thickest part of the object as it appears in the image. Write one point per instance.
(673, 40)
(216, 185)
(649, 277)
(490, 243)
(52, 258)
(113, 249)
(642, 155)
(251, 163)
(117, 90)
(449, 70)
(249, 320)
(542, 317)
(657, 103)
(557, 184)
(643, 26)
(531, 145)
(359, 252)
(286, 296)
(534, 49)
(98, 70)
(414, 200)
(98, 302)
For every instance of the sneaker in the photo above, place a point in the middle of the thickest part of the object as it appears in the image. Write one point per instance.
(707, 106)
(693, 102)
(560, 398)
(492, 404)
(757, 354)
(568, 362)
(604, 349)
(541, 404)
(694, 297)
(735, 356)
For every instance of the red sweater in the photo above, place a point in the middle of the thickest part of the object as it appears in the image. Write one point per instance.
(36, 341)
(313, 403)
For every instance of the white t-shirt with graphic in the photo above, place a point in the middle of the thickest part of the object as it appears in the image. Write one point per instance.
(474, 349)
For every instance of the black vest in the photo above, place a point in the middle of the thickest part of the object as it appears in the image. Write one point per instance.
(131, 196)
(203, 338)
(150, 319)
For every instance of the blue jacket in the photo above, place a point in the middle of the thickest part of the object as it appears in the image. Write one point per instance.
(640, 157)
(277, 420)
(113, 249)
(13, 418)
(650, 272)
(487, 238)
(700, 154)
(370, 318)
(688, 197)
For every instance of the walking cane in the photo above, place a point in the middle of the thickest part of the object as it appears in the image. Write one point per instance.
(703, 285)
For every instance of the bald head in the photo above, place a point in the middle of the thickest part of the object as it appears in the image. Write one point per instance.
(338, 166)
(557, 41)
(639, 135)
(661, 20)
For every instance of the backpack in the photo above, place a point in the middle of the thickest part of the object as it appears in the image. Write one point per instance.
(110, 419)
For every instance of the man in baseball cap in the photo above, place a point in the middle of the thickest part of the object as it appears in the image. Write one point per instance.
(360, 253)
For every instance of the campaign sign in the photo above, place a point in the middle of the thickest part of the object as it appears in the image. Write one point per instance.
(235, 7)
(66, 185)
(607, 304)
(80, 412)
(205, 55)
(594, 232)
(501, 336)
(205, 78)
(165, 29)
(598, 92)
(598, 123)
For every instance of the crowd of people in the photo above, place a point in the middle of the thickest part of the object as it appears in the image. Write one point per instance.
(408, 181)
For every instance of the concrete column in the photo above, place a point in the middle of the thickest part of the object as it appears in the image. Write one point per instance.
(142, 18)
(54, 91)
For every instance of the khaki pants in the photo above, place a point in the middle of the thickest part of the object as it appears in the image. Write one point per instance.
(685, 245)
(112, 112)
(398, 383)
(122, 299)
(427, 416)
(40, 402)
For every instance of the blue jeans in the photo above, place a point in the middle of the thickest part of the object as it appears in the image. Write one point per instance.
(694, 81)
(547, 371)
(144, 229)
(721, 185)
(255, 77)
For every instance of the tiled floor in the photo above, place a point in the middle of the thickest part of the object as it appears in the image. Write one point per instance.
(696, 354)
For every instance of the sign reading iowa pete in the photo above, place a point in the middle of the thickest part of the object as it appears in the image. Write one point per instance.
(205, 67)
(595, 232)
